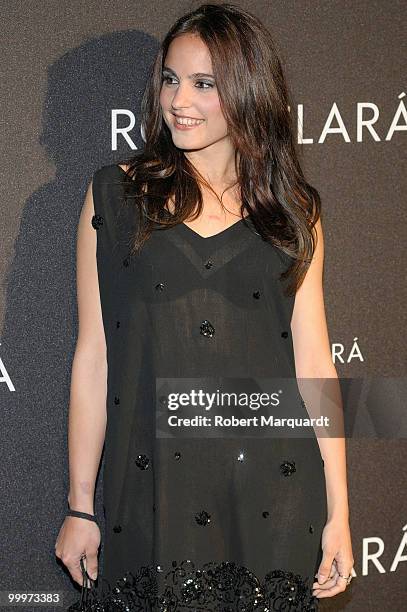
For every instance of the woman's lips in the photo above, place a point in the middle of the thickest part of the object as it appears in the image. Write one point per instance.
(182, 127)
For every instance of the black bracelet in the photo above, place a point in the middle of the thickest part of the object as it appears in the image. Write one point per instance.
(84, 515)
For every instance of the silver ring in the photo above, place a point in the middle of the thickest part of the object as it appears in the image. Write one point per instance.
(347, 578)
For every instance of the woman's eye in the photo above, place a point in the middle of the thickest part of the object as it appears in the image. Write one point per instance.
(167, 78)
(201, 84)
(209, 85)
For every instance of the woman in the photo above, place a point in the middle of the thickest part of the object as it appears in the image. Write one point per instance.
(209, 257)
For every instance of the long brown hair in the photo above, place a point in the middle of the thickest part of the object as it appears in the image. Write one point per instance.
(256, 104)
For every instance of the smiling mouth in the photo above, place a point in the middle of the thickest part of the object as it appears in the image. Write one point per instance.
(187, 121)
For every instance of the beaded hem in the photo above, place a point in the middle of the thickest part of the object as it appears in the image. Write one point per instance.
(214, 587)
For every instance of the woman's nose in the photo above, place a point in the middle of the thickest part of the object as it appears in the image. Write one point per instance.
(181, 98)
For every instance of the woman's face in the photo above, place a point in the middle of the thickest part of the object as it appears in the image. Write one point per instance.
(187, 93)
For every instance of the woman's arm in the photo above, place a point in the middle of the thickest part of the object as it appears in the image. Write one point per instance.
(313, 361)
(87, 410)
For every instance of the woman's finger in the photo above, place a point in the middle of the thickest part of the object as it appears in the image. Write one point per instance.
(74, 568)
(92, 564)
(328, 584)
(339, 586)
(325, 567)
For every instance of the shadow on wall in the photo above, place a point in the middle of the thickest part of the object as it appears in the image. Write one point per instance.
(40, 325)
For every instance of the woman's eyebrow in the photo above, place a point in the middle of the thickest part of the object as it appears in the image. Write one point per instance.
(190, 76)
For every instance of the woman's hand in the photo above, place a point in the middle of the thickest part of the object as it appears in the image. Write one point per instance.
(78, 537)
(337, 559)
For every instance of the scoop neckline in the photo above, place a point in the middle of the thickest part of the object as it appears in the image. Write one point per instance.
(231, 227)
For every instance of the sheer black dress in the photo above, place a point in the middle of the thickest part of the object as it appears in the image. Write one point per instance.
(226, 523)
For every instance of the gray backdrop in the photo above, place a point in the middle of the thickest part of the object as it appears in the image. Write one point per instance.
(65, 67)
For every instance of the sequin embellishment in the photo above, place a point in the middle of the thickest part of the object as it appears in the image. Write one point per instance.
(97, 221)
(203, 518)
(256, 295)
(142, 461)
(207, 329)
(223, 586)
(288, 468)
(284, 334)
(208, 264)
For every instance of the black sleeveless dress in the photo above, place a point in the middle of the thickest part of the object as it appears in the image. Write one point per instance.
(209, 521)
